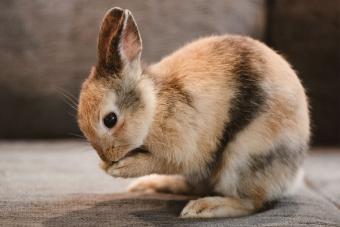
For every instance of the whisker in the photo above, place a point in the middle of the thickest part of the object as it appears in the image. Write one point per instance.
(70, 102)
(68, 98)
(68, 94)
(77, 136)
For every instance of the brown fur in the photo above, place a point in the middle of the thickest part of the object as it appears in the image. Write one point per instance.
(108, 56)
(226, 112)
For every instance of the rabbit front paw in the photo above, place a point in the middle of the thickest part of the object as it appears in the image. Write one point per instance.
(132, 166)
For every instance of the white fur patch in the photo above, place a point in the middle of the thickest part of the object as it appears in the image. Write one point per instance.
(297, 183)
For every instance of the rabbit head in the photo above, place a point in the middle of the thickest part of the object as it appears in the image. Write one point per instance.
(117, 101)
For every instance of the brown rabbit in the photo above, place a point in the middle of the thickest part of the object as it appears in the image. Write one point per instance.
(223, 116)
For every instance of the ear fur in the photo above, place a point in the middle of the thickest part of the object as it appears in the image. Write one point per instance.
(119, 42)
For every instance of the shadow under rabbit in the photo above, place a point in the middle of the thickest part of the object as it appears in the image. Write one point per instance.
(146, 210)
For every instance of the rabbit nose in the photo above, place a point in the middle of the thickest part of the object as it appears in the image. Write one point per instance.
(102, 156)
(100, 152)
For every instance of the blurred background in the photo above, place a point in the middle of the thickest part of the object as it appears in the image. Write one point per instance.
(48, 47)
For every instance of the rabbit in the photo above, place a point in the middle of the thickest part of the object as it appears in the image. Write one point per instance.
(224, 118)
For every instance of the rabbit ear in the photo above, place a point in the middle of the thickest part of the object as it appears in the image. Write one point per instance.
(119, 42)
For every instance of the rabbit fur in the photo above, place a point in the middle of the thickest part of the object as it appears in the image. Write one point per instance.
(224, 117)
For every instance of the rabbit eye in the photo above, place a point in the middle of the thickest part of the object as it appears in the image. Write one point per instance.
(110, 120)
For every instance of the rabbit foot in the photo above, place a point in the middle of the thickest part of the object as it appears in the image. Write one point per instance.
(212, 207)
(175, 184)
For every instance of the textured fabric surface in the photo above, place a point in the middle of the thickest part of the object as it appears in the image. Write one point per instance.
(323, 174)
(305, 209)
(58, 183)
(48, 47)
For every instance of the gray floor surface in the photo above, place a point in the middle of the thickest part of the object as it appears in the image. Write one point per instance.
(59, 183)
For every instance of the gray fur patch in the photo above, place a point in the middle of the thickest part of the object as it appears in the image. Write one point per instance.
(130, 98)
(247, 104)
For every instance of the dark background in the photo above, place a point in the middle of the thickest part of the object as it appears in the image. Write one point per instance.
(48, 47)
